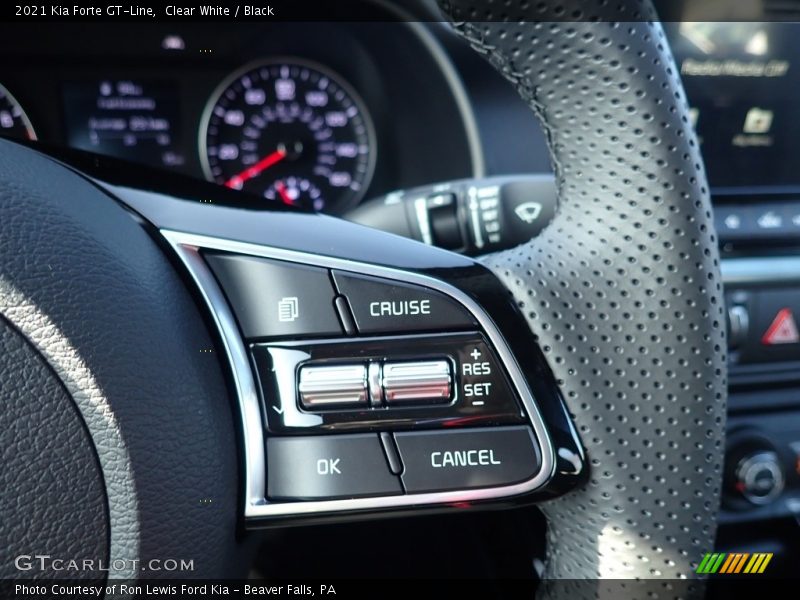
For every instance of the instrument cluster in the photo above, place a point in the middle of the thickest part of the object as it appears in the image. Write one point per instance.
(316, 115)
(288, 130)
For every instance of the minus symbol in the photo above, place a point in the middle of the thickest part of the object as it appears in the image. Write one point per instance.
(478, 403)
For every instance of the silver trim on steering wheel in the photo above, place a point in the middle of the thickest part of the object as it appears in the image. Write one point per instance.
(188, 247)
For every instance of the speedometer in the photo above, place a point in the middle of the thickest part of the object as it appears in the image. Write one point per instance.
(289, 131)
(13, 120)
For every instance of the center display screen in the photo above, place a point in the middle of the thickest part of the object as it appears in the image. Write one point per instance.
(743, 85)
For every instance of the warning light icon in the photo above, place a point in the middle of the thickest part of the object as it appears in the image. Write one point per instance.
(782, 331)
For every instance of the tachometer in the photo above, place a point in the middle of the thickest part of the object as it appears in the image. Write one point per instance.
(13, 120)
(289, 131)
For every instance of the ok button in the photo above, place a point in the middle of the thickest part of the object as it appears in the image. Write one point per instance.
(326, 467)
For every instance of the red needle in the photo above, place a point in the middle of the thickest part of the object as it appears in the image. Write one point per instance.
(236, 181)
(281, 189)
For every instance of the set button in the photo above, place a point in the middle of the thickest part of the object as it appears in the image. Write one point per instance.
(416, 382)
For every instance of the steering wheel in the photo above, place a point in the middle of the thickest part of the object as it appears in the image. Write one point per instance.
(119, 427)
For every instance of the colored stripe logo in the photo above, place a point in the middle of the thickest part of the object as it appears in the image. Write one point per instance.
(734, 562)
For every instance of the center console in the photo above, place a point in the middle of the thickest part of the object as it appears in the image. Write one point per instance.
(762, 290)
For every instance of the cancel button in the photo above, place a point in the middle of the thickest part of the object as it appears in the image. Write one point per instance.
(436, 461)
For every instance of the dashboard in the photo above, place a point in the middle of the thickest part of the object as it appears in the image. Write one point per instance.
(328, 115)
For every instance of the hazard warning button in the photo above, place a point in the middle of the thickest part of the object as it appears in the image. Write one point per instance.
(773, 332)
(782, 330)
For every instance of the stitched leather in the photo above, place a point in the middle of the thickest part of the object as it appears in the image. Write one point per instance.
(623, 289)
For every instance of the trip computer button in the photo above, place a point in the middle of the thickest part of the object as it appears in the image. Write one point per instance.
(437, 461)
(383, 306)
(276, 299)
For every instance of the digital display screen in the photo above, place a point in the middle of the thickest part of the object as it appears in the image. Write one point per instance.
(743, 85)
(130, 119)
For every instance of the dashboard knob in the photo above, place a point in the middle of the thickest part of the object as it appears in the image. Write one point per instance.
(758, 477)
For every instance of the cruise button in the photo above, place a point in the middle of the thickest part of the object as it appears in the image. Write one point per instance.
(437, 461)
(324, 467)
(275, 299)
(381, 306)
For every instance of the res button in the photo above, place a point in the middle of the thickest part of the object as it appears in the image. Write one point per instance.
(436, 461)
(381, 306)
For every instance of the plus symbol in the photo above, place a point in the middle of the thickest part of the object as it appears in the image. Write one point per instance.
(475, 354)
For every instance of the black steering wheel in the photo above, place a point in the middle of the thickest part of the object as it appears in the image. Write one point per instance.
(120, 428)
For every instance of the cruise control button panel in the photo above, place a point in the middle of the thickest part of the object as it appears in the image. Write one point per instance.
(385, 306)
(467, 459)
(376, 389)
(327, 467)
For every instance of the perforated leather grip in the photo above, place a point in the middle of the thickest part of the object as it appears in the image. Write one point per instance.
(623, 289)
